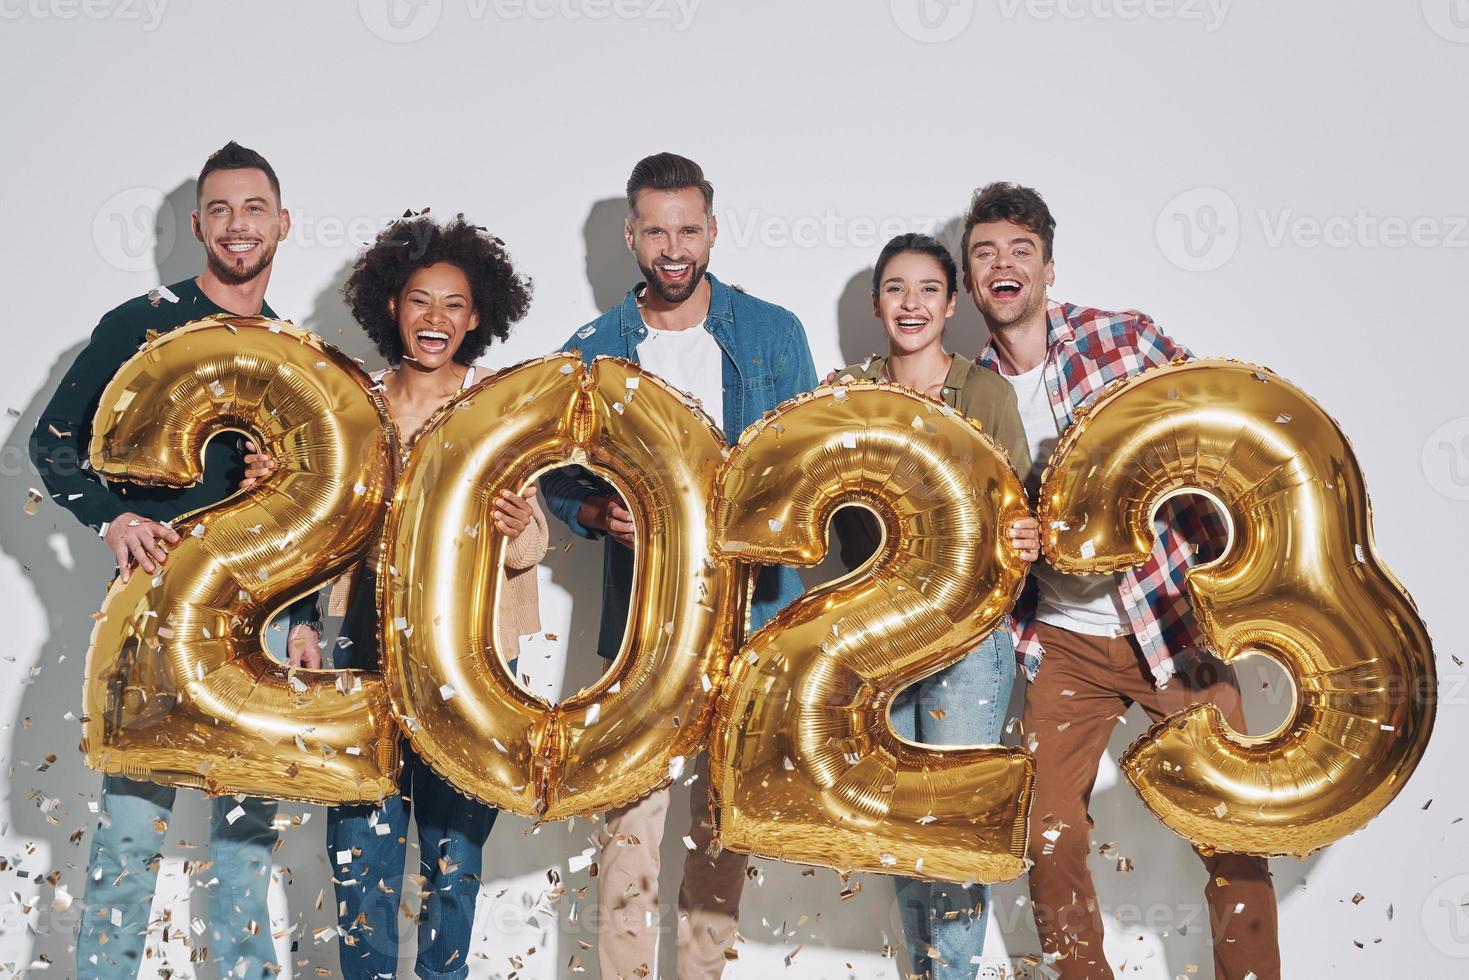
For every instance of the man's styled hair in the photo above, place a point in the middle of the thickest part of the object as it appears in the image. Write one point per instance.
(233, 156)
(667, 172)
(1003, 201)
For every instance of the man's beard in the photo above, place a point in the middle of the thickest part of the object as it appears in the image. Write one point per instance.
(673, 294)
(234, 272)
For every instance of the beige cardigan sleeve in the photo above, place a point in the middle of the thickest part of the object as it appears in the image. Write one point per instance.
(527, 550)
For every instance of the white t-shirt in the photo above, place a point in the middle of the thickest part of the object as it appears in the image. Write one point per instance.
(1086, 604)
(692, 362)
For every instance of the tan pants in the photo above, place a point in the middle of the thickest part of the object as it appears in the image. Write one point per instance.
(1085, 683)
(628, 922)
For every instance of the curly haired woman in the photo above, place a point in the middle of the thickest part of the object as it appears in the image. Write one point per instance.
(432, 298)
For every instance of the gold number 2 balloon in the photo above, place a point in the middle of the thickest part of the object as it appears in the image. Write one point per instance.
(1300, 582)
(805, 765)
(620, 738)
(179, 689)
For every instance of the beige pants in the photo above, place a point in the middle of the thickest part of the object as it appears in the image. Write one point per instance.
(629, 925)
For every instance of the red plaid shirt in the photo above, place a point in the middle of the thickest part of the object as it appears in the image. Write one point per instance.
(1085, 351)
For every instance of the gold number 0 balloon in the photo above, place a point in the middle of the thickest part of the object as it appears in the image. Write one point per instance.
(179, 689)
(615, 741)
(805, 765)
(1300, 582)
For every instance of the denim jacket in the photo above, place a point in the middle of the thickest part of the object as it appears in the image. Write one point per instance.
(766, 362)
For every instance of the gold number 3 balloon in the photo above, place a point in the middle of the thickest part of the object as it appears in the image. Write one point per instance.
(805, 765)
(1300, 582)
(179, 689)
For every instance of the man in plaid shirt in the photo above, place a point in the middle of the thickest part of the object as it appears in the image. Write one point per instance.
(1094, 645)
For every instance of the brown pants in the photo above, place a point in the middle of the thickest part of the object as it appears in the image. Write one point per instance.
(627, 891)
(1085, 684)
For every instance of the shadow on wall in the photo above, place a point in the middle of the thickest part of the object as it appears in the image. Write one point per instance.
(611, 270)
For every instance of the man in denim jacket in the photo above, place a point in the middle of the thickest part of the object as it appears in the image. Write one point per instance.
(740, 357)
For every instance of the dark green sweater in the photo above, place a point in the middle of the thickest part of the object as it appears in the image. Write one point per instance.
(64, 430)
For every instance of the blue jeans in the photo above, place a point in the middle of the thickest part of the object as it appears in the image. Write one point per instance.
(974, 694)
(452, 830)
(124, 872)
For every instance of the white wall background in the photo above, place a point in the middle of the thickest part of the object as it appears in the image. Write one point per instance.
(1278, 182)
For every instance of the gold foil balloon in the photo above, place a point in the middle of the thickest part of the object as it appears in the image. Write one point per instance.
(621, 738)
(805, 765)
(179, 688)
(1300, 582)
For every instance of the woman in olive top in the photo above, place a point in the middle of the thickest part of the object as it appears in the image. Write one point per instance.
(914, 289)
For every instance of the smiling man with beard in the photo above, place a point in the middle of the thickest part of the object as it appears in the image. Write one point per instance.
(240, 222)
(740, 357)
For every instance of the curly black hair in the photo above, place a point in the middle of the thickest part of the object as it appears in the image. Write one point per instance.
(500, 296)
